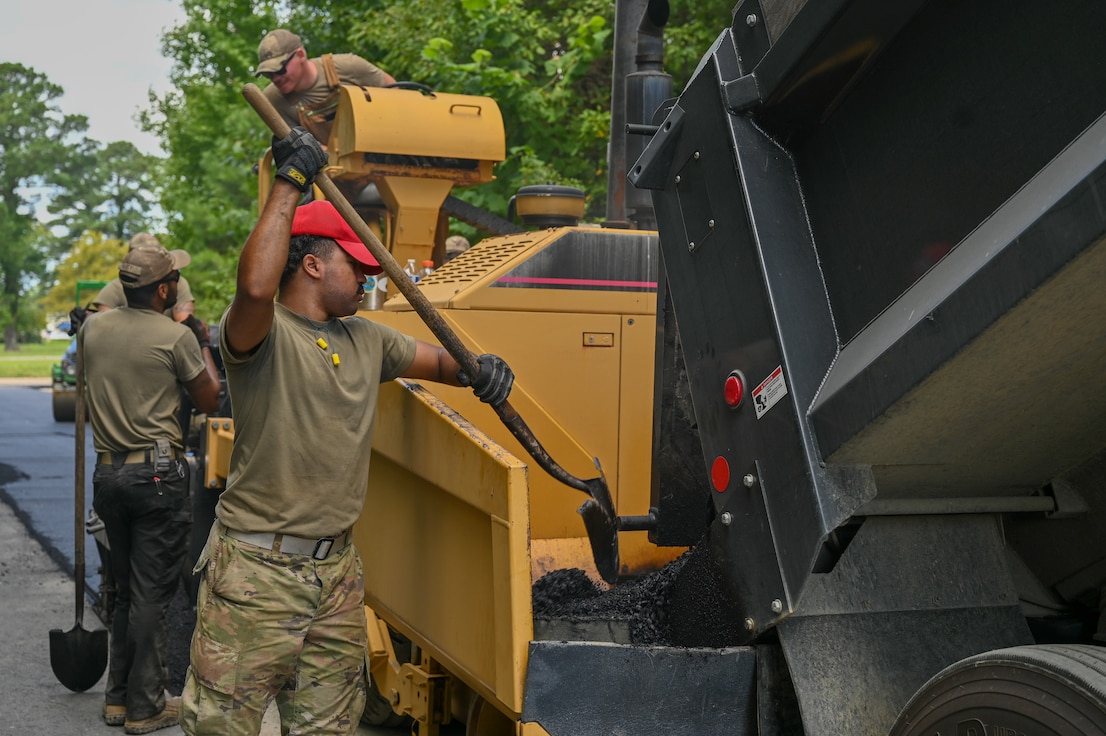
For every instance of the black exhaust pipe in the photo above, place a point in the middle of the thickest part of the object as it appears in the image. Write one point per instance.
(647, 88)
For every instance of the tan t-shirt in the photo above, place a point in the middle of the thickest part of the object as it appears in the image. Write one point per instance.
(303, 426)
(351, 68)
(135, 362)
(113, 296)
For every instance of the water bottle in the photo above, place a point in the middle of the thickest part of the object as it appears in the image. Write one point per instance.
(427, 269)
(411, 271)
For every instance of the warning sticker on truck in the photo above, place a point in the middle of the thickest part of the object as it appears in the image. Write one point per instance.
(770, 390)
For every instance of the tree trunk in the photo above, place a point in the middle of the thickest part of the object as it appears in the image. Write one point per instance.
(10, 338)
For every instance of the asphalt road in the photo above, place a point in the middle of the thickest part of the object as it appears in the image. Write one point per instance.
(37, 468)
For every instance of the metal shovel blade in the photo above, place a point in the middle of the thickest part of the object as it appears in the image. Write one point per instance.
(601, 523)
(78, 656)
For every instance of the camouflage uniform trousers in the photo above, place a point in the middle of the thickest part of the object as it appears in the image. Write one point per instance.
(272, 625)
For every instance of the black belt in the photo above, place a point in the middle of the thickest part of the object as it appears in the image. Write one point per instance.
(319, 549)
(134, 457)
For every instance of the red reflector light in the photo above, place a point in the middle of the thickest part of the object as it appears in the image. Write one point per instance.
(720, 474)
(734, 389)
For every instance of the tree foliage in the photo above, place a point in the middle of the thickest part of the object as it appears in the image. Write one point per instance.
(94, 256)
(56, 184)
(211, 135)
(34, 143)
(547, 68)
(547, 63)
(107, 188)
(691, 29)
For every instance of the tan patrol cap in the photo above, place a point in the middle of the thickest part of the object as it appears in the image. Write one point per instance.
(147, 265)
(456, 244)
(144, 240)
(274, 49)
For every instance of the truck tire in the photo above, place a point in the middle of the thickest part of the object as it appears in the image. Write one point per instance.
(65, 406)
(1042, 690)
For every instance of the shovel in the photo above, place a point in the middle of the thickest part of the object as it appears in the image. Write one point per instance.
(600, 519)
(78, 656)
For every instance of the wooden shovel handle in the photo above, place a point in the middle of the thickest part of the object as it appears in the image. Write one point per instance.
(600, 520)
(79, 481)
(415, 297)
(399, 278)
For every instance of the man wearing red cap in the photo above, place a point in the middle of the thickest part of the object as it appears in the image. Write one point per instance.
(280, 612)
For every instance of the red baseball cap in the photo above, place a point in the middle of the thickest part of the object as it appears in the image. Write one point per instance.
(322, 219)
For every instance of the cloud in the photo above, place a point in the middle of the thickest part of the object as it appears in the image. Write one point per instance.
(105, 54)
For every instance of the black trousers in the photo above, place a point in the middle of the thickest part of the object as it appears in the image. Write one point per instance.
(148, 517)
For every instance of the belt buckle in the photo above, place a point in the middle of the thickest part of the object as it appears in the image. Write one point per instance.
(322, 548)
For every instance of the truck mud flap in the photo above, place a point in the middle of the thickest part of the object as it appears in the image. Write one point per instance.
(583, 688)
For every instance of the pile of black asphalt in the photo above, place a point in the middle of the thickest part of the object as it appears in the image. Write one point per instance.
(685, 603)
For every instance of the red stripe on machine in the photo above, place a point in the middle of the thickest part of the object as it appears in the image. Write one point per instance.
(551, 281)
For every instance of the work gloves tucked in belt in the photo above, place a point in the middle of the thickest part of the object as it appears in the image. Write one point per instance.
(199, 329)
(493, 382)
(298, 158)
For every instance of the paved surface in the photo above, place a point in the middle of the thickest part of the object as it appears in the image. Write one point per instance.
(36, 596)
(36, 472)
(36, 586)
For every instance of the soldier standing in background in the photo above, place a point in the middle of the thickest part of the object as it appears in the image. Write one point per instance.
(112, 296)
(136, 362)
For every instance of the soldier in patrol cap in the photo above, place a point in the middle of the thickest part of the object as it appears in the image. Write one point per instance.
(455, 245)
(136, 362)
(305, 91)
(113, 297)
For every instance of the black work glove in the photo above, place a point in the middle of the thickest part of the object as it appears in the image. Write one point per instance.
(493, 382)
(77, 317)
(298, 157)
(199, 329)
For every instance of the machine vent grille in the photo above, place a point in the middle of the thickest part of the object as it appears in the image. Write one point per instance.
(477, 261)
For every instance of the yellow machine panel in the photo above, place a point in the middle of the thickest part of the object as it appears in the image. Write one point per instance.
(464, 131)
(448, 566)
(414, 147)
(396, 154)
(470, 520)
(218, 443)
(576, 386)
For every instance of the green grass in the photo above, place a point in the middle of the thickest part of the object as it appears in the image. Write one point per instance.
(32, 360)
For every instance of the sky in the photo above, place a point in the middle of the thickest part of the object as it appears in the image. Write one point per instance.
(105, 55)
